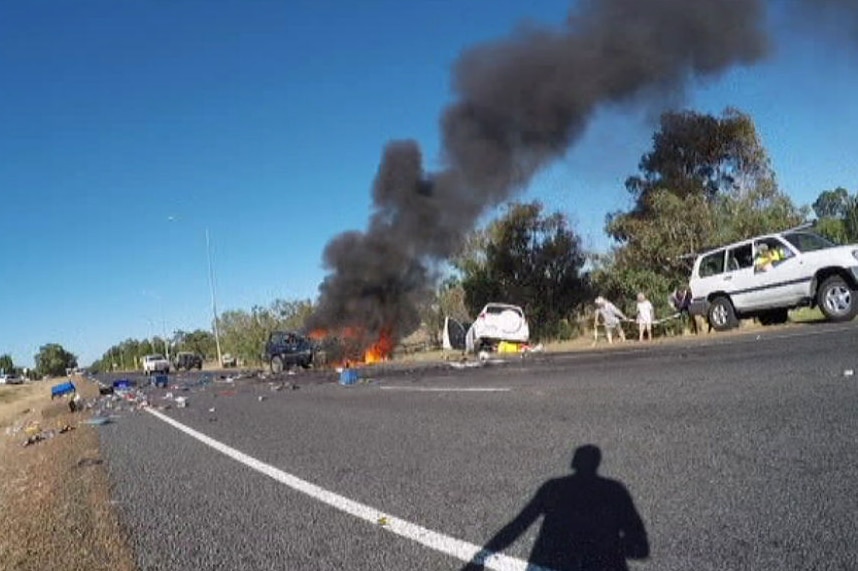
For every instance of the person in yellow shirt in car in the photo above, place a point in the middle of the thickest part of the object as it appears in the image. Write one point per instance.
(767, 258)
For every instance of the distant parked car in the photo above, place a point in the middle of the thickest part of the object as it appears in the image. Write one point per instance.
(11, 379)
(227, 361)
(288, 349)
(187, 360)
(497, 322)
(155, 364)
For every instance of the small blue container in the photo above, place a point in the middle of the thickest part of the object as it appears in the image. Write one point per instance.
(349, 377)
(160, 381)
(122, 384)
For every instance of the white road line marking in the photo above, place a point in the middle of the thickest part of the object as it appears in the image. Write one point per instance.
(448, 389)
(451, 546)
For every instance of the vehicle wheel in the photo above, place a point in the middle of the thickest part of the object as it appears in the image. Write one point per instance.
(721, 314)
(484, 345)
(836, 299)
(305, 364)
(774, 317)
(276, 365)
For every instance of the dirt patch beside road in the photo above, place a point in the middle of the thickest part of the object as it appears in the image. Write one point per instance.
(55, 494)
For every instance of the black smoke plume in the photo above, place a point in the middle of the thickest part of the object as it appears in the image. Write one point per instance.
(520, 103)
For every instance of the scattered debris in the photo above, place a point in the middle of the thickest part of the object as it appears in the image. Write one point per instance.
(75, 403)
(465, 364)
(848, 373)
(36, 435)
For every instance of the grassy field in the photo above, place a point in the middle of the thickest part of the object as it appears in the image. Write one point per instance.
(56, 511)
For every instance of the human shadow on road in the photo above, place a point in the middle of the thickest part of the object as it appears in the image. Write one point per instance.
(589, 523)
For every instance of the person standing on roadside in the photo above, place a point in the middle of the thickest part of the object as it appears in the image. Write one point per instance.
(611, 317)
(680, 299)
(645, 317)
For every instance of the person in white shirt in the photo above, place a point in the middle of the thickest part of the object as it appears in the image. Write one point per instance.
(646, 315)
(611, 316)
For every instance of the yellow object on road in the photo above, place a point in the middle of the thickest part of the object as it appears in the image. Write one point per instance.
(508, 347)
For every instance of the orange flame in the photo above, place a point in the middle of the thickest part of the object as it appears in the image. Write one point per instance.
(317, 334)
(381, 350)
(378, 352)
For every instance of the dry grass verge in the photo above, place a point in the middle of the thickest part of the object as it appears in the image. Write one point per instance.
(55, 494)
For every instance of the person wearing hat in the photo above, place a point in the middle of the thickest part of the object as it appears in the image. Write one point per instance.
(611, 317)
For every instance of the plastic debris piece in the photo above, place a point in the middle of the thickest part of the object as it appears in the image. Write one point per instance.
(383, 521)
(349, 376)
(848, 373)
(181, 402)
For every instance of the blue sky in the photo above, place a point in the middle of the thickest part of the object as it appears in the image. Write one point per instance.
(127, 129)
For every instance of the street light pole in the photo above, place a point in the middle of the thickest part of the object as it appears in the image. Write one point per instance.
(164, 326)
(214, 302)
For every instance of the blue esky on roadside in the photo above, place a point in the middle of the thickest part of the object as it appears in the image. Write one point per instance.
(129, 128)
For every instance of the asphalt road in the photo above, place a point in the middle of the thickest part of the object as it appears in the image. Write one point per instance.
(737, 453)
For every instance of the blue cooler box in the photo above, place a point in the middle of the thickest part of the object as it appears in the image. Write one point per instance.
(349, 377)
(160, 380)
(62, 389)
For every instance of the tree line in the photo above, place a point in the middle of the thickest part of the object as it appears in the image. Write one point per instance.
(52, 360)
(707, 180)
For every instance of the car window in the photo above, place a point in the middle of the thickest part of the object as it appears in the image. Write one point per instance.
(739, 258)
(498, 309)
(807, 241)
(711, 264)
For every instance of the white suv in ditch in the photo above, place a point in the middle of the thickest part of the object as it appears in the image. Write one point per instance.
(766, 276)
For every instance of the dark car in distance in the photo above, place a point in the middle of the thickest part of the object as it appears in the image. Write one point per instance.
(286, 349)
(187, 360)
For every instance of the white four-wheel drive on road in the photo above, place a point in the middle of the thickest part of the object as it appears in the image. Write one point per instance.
(766, 276)
(155, 364)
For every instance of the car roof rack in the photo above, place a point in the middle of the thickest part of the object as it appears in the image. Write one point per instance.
(804, 226)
